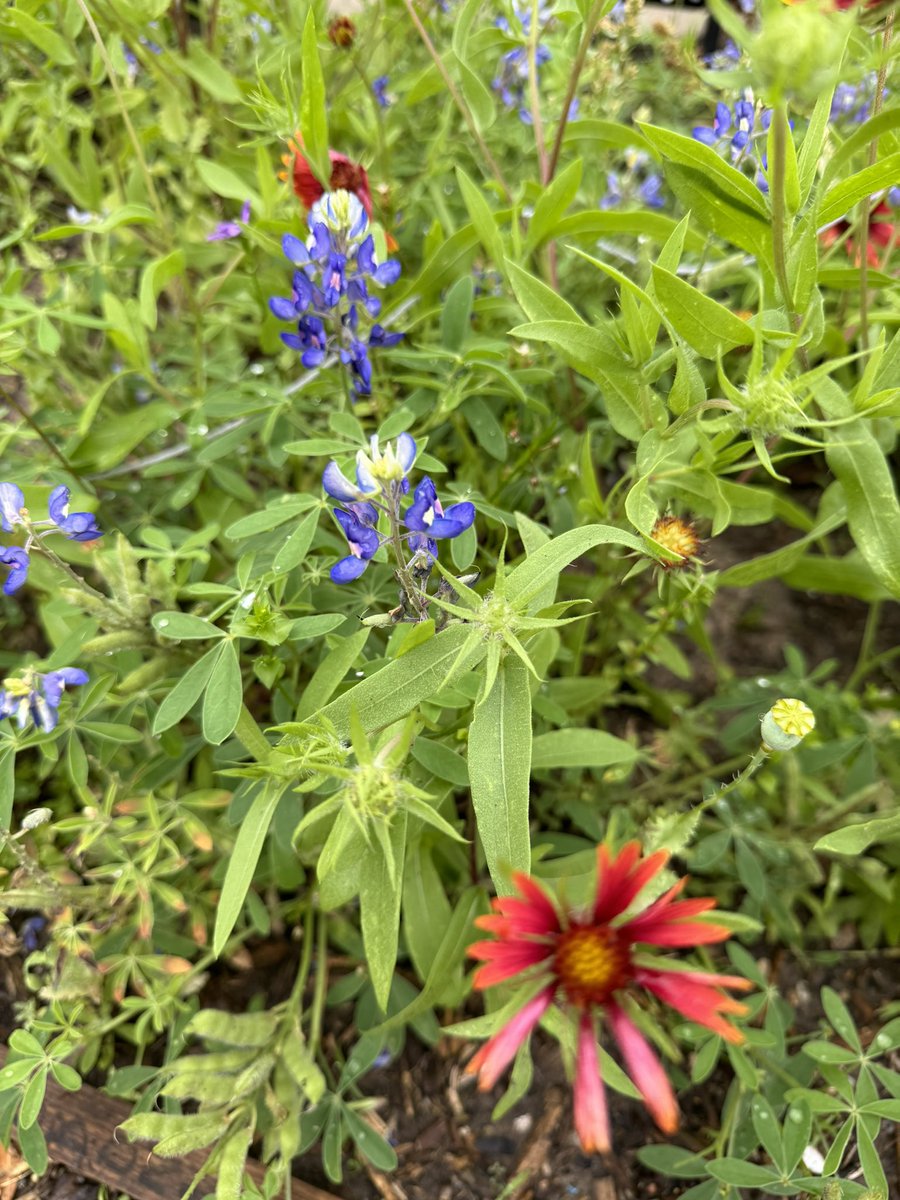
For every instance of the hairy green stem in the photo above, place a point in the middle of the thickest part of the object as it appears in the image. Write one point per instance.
(865, 207)
(777, 170)
(458, 100)
(590, 25)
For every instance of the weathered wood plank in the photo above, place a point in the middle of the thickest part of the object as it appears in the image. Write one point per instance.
(80, 1128)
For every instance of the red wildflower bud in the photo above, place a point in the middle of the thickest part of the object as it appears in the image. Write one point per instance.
(342, 32)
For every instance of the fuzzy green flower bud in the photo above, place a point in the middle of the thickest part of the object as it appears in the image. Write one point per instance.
(786, 724)
(798, 50)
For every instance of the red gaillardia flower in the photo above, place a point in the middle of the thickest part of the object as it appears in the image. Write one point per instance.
(346, 176)
(591, 962)
(881, 234)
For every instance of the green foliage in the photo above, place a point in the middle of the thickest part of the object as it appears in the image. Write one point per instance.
(676, 425)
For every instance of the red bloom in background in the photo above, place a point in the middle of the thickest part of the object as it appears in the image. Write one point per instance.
(590, 962)
(881, 234)
(346, 176)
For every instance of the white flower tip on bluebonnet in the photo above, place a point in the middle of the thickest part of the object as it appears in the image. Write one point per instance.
(390, 465)
(786, 724)
(341, 212)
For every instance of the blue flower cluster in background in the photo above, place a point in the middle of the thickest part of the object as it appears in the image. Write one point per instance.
(379, 90)
(380, 487)
(77, 527)
(634, 182)
(733, 134)
(511, 80)
(36, 696)
(852, 102)
(332, 294)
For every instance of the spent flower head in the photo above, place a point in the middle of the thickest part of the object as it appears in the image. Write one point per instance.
(786, 724)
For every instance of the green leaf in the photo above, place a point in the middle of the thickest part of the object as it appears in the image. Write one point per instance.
(579, 748)
(853, 839)
(26, 1043)
(209, 73)
(34, 1148)
(704, 324)
(66, 1076)
(379, 901)
(224, 696)
(482, 218)
(741, 1174)
(369, 1143)
(539, 302)
(16, 1072)
(225, 182)
(242, 864)
(458, 933)
(296, 546)
(184, 626)
(40, 35)
(526, 580)
(186, 692)
(813, 141)
(858, 462)
(838, 200)
(552, 204)
(317, 626)
(500, 770)
(313, 114)
(456, 314)
(441, 761)
(479, 99)
(32, 1099)
(329, 675)
(687, 151)
(673, 1161)
(7, 784)
(837, 1013)
(396, 689)
(154, 278)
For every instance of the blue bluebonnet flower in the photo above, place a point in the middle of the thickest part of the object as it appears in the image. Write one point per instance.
(78, 527)
(35, 697)
(362, 539)
(893, 197)
(635, 182)
(852, 102)
(18, 561)
(331, 295)
(381, 485)
(724, 59)
(30, 933)
(734, 132)
(230, 229)
(379, 90)
(511, 79)
(426, 515)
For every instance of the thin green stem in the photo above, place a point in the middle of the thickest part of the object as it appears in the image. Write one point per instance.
(865, 646)
(590, 25)
(751, 768)
(866, 206)
(534, 96)
(321, 983)
(780, 130)
(120, 100)
(26, 416)
(458, 100)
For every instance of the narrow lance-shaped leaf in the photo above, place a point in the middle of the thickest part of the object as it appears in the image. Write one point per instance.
(313, 115)
(242, 864)
(500, 769)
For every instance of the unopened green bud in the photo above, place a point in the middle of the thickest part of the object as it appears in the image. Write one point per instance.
(786, 724)
(37, 817)
(798, 50)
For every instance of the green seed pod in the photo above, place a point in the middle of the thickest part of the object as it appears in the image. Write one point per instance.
(786, 724)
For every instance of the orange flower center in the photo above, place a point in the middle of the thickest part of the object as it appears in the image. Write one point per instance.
(676, 535)
(591, 962)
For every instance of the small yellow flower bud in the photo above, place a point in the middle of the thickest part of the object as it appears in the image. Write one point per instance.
(786, 724)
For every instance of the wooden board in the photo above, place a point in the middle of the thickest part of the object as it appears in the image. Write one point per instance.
(80, 1128)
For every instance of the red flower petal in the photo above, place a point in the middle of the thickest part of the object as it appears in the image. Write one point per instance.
(645, 1069)
(696, 1001)
(505, 959)
(619, 880)
(495, 1056)
(591, 1115)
